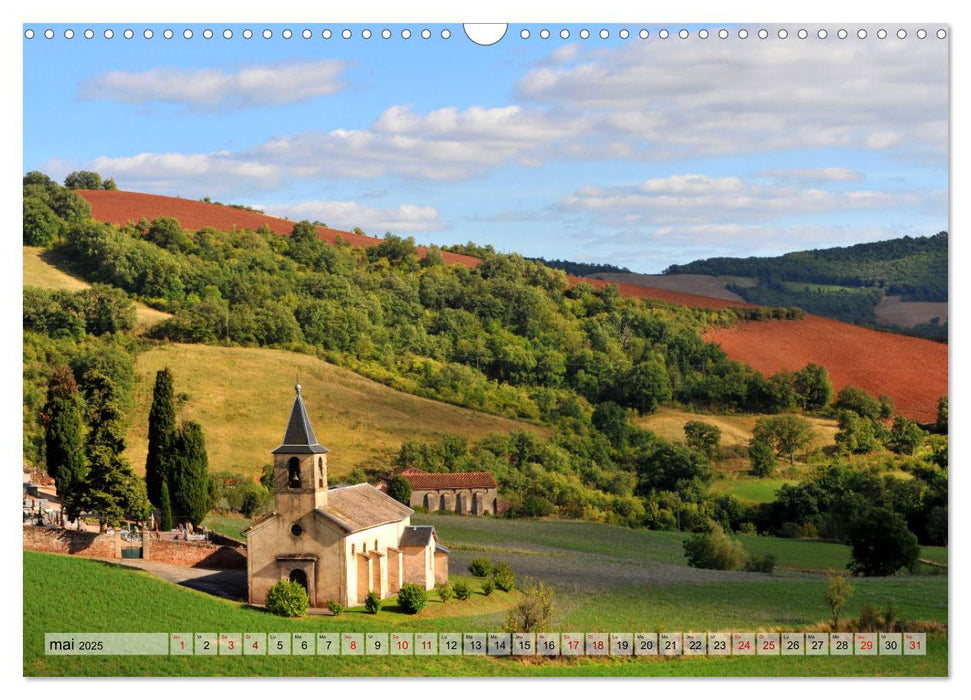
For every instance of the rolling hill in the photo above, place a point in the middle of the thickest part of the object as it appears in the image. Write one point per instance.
(39, 272)
(911, 370)
(242, 398)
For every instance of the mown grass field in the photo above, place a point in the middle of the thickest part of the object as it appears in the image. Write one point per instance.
(600, 573)
(750, 490)
(39, 272)
(242, 398)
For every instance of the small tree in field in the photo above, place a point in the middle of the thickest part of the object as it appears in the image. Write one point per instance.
(838, 591)
(534, 611)
(714, 550)
(761, 457)
(503, 576)
(703, 437)
(881, 544)
(787, 433)
(372, 603)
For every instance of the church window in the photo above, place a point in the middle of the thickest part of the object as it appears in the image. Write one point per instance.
(320, 472)
(375, 545)
(293, 476)
(296, 530)
(353, 549)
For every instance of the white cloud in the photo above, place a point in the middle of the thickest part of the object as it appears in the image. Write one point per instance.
(212, 88)
(446, 144)
(405, 218)
(829, 174)
(699, 200)
(685, 99)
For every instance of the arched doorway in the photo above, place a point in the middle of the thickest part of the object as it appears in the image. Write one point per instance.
(475, 504)
(429, 502)
(298, 576)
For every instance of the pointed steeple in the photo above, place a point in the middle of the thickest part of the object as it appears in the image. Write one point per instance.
(299, 437)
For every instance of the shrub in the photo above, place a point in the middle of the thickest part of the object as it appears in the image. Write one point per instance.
(713, 550)
(480, 566)
(503, 576)
(445, 591)
(412, 598)
(462, 590)
(488, 586)
(747, 528)
(534, 611)
(372, 603)
(869, 620)
(335, 607)
(287, 599)
(760, 563)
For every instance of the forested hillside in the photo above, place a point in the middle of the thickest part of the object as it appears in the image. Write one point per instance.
(915, 268)
(507, 336)
(845, 283)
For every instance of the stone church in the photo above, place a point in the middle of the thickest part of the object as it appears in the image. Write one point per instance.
(339, 543)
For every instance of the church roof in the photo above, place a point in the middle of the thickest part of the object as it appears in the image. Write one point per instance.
(417, 536)
(362, 506)
(421, 480)
(299, 437)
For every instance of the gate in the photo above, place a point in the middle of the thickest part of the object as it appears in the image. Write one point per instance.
(131, 545)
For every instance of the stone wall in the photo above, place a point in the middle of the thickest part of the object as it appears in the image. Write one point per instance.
(91, 544)
(85, 544)
(197, 554)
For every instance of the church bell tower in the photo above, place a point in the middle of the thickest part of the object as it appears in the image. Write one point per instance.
(299, 466)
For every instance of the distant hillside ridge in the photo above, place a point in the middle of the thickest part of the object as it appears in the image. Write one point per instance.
(915, 268)
(119, 207)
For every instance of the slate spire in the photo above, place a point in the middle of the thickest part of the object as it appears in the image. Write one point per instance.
(299, 437)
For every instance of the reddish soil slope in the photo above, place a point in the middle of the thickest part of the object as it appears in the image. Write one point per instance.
(911, 370)
(119, 208)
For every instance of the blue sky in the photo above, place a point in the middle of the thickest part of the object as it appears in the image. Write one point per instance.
(639, 152)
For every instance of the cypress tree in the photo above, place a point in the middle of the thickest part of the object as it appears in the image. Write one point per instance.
(111, 490)
(62, 436)
(165, 520)
(161, 436)
(190, 474)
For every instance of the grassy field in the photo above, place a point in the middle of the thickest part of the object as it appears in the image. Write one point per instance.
(67, 594)
(736, 430)
(549, 548)
(40, 272)
(231, 526)
(750, 490)
(242, 398)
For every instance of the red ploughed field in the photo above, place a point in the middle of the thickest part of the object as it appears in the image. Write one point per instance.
(911, 370)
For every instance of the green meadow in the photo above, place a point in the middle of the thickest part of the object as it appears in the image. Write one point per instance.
(608, 579)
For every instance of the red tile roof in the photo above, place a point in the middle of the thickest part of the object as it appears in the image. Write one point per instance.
(460, 480)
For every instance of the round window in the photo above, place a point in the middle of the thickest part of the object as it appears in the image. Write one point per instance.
(296, 530)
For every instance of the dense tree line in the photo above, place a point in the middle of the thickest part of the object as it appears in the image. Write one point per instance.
(580, 269)
(61, 313)
(509, 336)
(913, 267)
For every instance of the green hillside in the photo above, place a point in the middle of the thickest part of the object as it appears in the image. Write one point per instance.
(846, 283)
(242, 398)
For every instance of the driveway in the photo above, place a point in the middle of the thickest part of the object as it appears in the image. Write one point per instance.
(224, 583)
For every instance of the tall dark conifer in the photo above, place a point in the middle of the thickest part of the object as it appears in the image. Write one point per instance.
(111, 490)
(63, 437)
(161, 436)
(189, 476)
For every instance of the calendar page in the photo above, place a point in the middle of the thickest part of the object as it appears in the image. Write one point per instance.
(422, 348)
